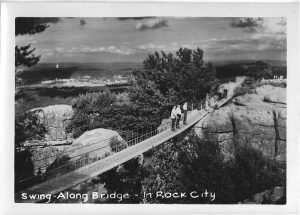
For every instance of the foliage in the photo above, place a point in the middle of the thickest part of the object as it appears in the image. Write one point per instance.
(251, 172)
(197, 164)
(148, 102)
(28, 127)
(248, 87)
(184, 76)
(125, 180)
(116, 145)
(25, 25)
(141, 107)
(90, 111)
(259, 70)
(256, 70)
(24, 56)
(26, 101)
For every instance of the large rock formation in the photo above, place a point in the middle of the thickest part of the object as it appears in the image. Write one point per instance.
(90, 146)
(55, 119)
(273, 196)
(99, 138)
(258, 119)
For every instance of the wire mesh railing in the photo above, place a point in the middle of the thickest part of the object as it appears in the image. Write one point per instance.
(126, 135)
(92, 155)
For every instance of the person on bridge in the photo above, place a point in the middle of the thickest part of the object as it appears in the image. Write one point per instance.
(178, 110)
(184, 107)
(206, 104)
(173, 117)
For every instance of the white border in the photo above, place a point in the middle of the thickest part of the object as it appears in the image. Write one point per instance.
(11, 10)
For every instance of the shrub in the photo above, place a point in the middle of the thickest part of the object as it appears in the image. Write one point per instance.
(248, 87)
(251, 172)
(116, 145)
(28, 127)
(196, 164)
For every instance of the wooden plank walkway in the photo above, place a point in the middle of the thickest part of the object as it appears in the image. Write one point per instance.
(54, 186)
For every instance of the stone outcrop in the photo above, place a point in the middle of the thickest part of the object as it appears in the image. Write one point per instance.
(91, 145)
(55, 119)
(258, 119)
(273, 196)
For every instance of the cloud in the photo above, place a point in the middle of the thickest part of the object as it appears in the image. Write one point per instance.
(260, 25)
(274, 26)
(254, 43)
(120, 50)
(248, 24)
(82, 22)
(151, 46)
(245, 22)
(152, 25)
(135, 18)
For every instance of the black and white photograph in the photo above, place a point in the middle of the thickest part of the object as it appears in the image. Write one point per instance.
(150, 109)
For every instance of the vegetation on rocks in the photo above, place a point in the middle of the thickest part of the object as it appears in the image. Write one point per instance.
(28, 127)
(197, 164)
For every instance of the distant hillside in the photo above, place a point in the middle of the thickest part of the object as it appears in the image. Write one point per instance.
(48, 71)
(228, 69)
(240, 62)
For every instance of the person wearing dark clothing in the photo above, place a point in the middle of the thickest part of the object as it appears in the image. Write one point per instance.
(173, 118)
(178, 110)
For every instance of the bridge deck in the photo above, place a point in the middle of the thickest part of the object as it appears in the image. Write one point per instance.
(54, 186)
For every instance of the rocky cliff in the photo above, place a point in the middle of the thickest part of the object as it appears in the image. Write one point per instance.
(257, 118)
(55, 119)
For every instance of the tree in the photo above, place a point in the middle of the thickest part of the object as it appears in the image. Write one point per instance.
(127, 179)
(26, 25)
(184, 74)
(105, 110)
(24, 56)
(28, 127)
(258, 70)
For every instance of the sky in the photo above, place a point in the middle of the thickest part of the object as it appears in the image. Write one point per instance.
(131, 39)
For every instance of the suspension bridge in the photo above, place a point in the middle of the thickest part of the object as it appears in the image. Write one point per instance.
(89, 164)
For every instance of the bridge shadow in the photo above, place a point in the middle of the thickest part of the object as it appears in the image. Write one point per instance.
(24, 167)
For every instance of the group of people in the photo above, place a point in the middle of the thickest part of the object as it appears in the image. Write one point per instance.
(176, 114)
(278, 77)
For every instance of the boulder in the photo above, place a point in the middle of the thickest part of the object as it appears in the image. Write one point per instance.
(276, 195)
(273, 94)
(218, 121)
(255, 121)
(90, 146)
(43, 157)
(100, 140)
(55, 119)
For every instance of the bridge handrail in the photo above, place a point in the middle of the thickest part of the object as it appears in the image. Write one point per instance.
(128, 143)
(90, 144)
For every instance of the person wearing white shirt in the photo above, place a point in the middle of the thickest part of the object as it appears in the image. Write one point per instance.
(178, 109)
(184, 107)
(173, 118)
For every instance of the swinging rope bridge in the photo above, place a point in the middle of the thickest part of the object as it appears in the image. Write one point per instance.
(89, 164)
